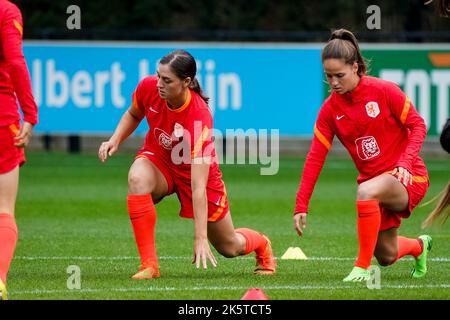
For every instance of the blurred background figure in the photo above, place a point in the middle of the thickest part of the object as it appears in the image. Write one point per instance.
(14, 84)
(442, 210)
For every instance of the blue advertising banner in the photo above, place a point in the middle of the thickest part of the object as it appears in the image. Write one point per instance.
(84, 88)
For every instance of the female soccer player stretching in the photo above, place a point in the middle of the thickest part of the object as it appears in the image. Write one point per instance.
(382, 131)
(178, 156)
(14, 84)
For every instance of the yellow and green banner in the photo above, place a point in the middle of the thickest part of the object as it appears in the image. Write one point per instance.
(423, 72)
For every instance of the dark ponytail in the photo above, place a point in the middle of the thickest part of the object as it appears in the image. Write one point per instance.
(343, 45)
(195, 85)
(442, 210)
(443, 7)
(183, 65)
(444, 139)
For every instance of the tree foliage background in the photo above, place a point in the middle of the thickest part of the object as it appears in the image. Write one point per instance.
(232, 19)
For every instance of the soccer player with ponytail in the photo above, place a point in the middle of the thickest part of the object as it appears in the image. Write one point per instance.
(383, 133)
(178, 156)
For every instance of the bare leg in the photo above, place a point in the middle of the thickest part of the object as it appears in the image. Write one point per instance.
(9, 185)
(391, 195)
(386, 250)
(231, 243)
(387, 190)
(225, 239)
(146, 183)
(145, 178)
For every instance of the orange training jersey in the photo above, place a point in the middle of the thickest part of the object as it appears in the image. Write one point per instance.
(180, 135)
(379, 127)
(15, 81)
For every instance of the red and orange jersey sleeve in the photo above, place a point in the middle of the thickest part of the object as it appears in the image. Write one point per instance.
(201, 129)
(144, 93)
(398, 102)
(136, 101)
(138, 95)
(403, 109)
(321, 143)
(11, 32)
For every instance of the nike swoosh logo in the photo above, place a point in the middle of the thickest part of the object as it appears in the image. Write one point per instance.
(340, 117)
(151, 109)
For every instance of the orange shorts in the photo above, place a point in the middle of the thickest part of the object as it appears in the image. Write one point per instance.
(416, 192)
(215, 190)
(10, 155)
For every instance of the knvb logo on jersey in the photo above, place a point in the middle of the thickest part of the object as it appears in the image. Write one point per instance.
(367, 147)
(372, 109)
(163, 139)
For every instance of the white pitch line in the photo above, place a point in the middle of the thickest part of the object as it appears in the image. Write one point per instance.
(218, 288)
(87, 258)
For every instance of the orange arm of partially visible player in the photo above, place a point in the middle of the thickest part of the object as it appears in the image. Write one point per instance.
(11, 45)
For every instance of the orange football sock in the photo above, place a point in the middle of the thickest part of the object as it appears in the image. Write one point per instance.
(407, 246)
(8, 239)
(254, 241)
(143, 218)
(369, 220)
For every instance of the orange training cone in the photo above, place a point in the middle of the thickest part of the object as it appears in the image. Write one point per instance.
(255, 294)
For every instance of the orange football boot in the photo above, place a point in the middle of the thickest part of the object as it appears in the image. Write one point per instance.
(265, 262)
(148, 270)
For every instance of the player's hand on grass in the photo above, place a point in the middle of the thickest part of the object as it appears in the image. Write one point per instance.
(300, 222)
(23, 137)
(107, 149)
(202, 253)
(403, 175)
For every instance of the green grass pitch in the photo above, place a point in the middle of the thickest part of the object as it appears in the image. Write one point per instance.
(71, 211)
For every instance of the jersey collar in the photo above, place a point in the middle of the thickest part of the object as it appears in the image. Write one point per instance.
(356, 94)
(185, 104)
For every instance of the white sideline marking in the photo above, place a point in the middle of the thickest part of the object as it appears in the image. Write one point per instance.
(242, 288)
(437, 259)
